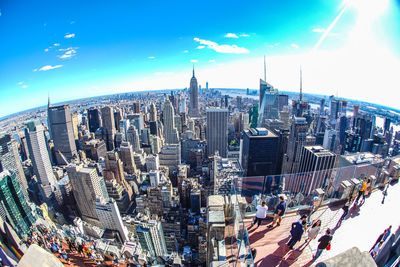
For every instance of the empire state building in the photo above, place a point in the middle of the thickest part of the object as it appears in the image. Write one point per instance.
(194, 97)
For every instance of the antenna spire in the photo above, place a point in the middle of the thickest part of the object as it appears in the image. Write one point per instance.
(48, 102)
(265, 71)
(193, 70)
(301, 85)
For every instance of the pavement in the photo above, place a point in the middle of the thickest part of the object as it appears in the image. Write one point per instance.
(360, 229)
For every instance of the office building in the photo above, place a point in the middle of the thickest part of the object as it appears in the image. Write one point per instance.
(94, 120)
(127, 158)
(259, 152)
(153, 112)
(62, 133)
(170, 156)
(170, 131)
(107, 116)
(9, 160)
(110, 218)
(151, 238)
(13, 206)
(86, 187)
(316, 165)
(217, 131)
(194, 97)
(132, 136)
(297, 139)
(42, 168)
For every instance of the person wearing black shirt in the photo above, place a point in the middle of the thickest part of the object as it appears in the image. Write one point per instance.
(279, 212)
(323, 243)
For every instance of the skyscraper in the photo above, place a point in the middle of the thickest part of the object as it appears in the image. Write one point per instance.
(62, 132)
(42, 168)
(94, 120)
(86, 186)
(194, 97)
(13, 203)
(151, 238)
(297, 139)
(107, 116)
(110, 218)
(170, 131)
(315, 167)
(153, 112)
(217, 131)
(9, 160)
(259, 152)
(269, 101)
(132, 136)
(127, 158)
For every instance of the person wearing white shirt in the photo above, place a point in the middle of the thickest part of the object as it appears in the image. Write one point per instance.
(260, 214)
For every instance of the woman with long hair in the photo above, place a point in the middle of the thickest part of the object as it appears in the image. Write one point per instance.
(313, 231)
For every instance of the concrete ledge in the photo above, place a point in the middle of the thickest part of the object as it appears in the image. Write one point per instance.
(350, 258)
(35, 256)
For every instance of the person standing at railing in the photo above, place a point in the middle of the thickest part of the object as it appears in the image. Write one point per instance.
(279, 212)
(260, 214)
(361, 189)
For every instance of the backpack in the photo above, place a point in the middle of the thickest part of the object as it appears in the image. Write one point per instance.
(361, 186)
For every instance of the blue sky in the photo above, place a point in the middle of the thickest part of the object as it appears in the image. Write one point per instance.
(74, 49)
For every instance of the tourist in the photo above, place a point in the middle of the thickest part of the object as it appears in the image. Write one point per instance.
(297, 231)
(376, 248)
(361, 189)
(279, 212)
(345, 209)
(260, 214)
(382, 237)
(324, 241)
(313, 231)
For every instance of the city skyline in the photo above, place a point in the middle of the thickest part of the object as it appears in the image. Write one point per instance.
(82, 51)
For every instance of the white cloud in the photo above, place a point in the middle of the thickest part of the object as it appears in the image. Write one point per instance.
(20, 83)
(244, 35)
(318, 30)
(24, 86)
(211, 60)
(69, 52)
(49, 67)
(56, 44)
(194, 60)
(200, 46)
(230, 49)
(46, 50)
(35, 69)
(71, 35)
(231, 35)
(294, 46)
(151, 57)
(186, 51)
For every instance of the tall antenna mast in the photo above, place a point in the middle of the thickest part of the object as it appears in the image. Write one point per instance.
(265, 71)
(301, 85)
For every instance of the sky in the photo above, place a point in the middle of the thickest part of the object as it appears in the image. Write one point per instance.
(75, 49)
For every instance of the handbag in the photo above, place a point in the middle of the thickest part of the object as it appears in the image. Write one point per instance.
(328, 247)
